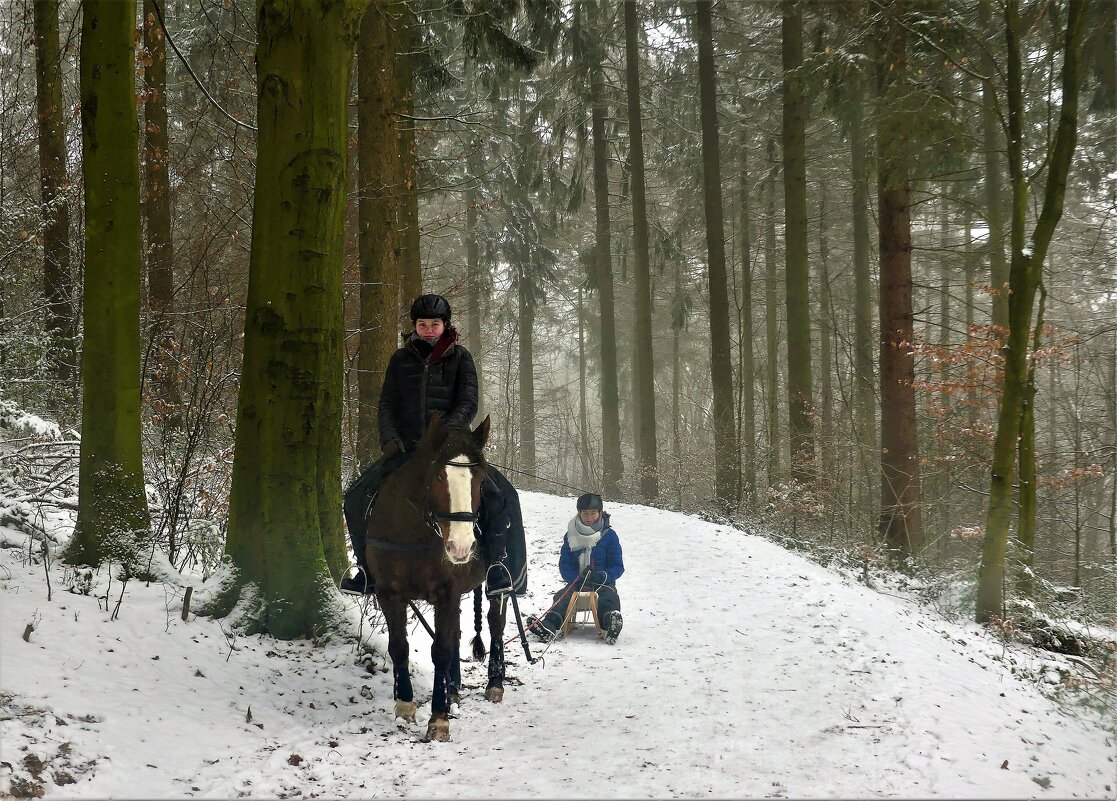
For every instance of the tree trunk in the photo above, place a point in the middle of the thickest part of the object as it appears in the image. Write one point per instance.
(377, 238)
(583, 416)
(57, 281)
(865, 378)
(721, 361)
(994, 202)
(900, 517)
(643, 363)
(526, 325)
(771, 325)
(475, 278)
(612, 465)
(1024, 277)
(113, 518)
(797, 268)
(411, 266)
(1026, 530)
(748, 367)
(157, 212)
(825, 336)
(285, 497)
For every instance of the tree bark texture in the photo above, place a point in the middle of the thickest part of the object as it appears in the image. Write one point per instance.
(285, 503)
(112, 516)
(1025, 274)
(53, 184)
(378, 162)
(900, 516)
(796, 260)
(647, 467)
(721, 361)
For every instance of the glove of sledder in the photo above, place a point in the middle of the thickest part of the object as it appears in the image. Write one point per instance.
(593, 578)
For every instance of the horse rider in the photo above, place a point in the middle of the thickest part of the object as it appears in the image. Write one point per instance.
(431, 372)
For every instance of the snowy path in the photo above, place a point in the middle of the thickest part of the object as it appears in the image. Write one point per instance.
(742, 671)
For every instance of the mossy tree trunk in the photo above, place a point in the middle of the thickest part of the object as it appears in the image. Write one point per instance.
(112, 516)
(1025, 275)
(285, 505)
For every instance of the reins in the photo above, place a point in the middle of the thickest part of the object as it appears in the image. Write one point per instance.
(537, 477)
(431, 517)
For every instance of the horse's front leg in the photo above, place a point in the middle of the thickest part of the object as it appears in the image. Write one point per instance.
(447, 633)
(395, 616)
(497, 608)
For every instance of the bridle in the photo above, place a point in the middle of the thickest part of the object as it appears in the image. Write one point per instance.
(431, 517)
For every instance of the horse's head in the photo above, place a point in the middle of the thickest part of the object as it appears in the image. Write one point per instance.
(457, 466)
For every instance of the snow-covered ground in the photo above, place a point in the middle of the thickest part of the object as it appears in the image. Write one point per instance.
(743, 671)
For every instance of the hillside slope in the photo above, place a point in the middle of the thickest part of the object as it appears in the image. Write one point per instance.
(743, 671)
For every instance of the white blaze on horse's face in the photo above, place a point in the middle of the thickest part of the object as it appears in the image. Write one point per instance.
(459, 482)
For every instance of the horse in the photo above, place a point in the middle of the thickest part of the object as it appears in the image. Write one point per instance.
(422, 545)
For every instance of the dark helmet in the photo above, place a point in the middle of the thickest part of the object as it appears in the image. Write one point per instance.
(429, 307)
(589, 501)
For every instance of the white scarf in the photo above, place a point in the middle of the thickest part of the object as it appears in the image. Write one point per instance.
(581, 539)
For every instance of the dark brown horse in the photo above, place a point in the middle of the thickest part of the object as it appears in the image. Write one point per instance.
(422, 545)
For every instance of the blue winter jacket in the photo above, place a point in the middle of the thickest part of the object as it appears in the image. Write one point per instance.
(605, 556)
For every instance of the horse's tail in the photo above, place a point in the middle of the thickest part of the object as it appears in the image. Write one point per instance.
(477, 643)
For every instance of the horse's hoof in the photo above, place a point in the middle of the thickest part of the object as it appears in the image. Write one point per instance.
(438, 730)
(406, 710)
(494, 694)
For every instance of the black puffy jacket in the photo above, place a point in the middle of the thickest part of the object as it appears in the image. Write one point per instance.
(421, 379)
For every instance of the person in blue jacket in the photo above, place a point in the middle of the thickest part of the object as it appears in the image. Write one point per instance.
(590, 559)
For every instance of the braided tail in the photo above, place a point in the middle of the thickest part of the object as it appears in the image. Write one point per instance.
(477, 643)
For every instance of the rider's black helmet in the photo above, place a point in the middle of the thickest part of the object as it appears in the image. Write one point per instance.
(590, 500)
(429, 307)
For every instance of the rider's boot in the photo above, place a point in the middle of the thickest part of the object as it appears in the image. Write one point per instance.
(498, 581)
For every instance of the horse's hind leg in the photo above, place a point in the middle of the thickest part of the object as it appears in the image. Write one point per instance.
(495, 690)
(447, 633)
(395, 615)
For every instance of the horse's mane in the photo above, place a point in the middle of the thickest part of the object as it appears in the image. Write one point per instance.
(460, 441)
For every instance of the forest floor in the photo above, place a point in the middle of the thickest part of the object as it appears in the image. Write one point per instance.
(743, 671)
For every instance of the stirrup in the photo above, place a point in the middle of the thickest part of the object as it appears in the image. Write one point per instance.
(498, 581)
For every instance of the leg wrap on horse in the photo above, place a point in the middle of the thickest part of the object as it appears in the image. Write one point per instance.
(401, 685)
(440, 699)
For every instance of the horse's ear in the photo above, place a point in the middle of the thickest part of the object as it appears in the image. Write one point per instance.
(436, 431)
(481, 433)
